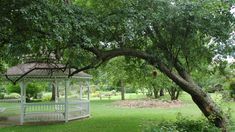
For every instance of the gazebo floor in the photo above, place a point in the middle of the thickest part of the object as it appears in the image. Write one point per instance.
(15, 120)
(9, 121)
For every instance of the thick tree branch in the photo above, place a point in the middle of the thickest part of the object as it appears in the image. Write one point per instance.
(153, 60)
(90, 66)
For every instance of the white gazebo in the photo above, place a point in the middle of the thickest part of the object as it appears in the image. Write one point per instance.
(63, 108)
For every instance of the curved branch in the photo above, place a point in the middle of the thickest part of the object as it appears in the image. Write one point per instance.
(90, 66)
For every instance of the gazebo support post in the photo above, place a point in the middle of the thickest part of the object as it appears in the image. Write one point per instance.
(22, 101)
(67, 83)
(88, 96)
(56, 91)
(80, 96)
(88, 90)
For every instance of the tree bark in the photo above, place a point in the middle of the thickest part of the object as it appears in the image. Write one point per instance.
(201, 98)
(174, 93)
(182, 79)
(161, 92)
(155, 92)
(53, 92)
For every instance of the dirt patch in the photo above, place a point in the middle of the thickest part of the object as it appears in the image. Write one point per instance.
(148, 104)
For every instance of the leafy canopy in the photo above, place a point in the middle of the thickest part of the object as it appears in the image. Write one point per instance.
(185, 31)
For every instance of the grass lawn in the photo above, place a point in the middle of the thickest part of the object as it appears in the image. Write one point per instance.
(107, 118)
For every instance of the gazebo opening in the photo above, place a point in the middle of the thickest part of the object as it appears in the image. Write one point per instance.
(70, 95)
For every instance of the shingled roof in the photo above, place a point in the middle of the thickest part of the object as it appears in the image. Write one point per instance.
(43, 70)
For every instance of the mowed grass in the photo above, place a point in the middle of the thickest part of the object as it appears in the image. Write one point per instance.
(105, 117)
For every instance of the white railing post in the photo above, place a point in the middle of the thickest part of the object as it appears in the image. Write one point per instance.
(80, 96)
(88, 96)
(56, 91)
(67, 82)
(22, 101)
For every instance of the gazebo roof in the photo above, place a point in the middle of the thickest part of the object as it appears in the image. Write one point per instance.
(43, 70)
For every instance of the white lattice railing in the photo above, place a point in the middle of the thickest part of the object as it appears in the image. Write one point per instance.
(78, 109)
(9, 100)
(34, 112)
(44, 112)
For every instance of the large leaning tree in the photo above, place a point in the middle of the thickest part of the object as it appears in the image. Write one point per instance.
(174, 36)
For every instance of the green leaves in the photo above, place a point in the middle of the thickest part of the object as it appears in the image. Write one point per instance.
(170, 30)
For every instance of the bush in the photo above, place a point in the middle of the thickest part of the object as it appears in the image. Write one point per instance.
(2, 89)
(215, 88)
(1, 95)
(95, 94)
(130, 90)
(32, 89)
(74, 96)
(183, 124)
(13, 88)
(232, 90)
(12, 96)
(46, 97)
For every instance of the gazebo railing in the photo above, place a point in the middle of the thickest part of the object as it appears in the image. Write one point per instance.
(44, 112)
(78, 109)
(9, 100)
(34, 112)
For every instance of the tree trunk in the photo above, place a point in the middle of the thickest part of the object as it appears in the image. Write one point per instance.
(122, 90)
(174, 93)
(161, 92)
(155, 92)
(181, 78)
(211, 111)
(149, 92)
(201, 98)
(53, 92)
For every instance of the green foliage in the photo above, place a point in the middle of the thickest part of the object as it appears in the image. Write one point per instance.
(31, 91)
(41, 27)
(46, 97)
(13, 88)
(12, 96)
(183, 124)
(1, 95)
(2, 89)
(232, 90)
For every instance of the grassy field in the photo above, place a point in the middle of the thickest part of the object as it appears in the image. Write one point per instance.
(105, 117)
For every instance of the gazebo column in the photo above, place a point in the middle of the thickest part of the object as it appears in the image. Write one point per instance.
(56, 91)
(22, 101)
(80, 96)
(67, 83)
(88, 90)
(88, 96)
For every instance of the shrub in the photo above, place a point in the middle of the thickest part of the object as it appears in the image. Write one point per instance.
(95, 94)
(73, 96)
(215, 88)
(13, 88)
(183, 124)
(32, 89)
(46, 97)
(12, 96)
(232, 90)
(1, 95)
(2, 89)
(130, 90)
